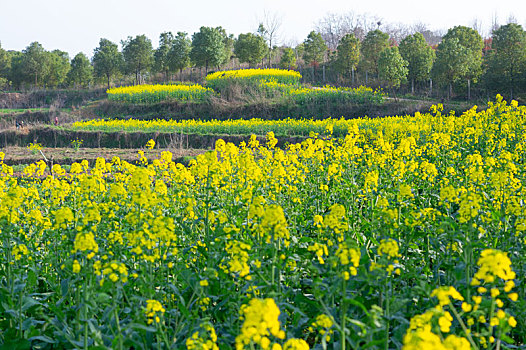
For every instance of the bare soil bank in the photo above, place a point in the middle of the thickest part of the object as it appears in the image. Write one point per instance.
(264, 109)
(22, 155)
(55, 137)
(48, 98)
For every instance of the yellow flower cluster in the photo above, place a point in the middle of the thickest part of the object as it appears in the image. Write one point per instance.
(388, 254)
(324, 325)
(261, 326)
(424, 339)
(76, 266)
(238, 259)
(320, 250)
(85, 241)
(295, 344)
(488, 315)
(389, 247)
(273, 224)
(336, 219)
(260, 321)
(153, 310)
(115, 271)
(420, 334)
(348, 257)
(19, 251)
(63, 216)
(492, 264)
(150, 144)
(204, 339)
(33, 147)
(444, 293)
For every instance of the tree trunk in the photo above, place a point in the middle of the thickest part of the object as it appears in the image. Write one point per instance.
(413, 86)
(108, 76)
(469, 89)
(366, 78)
(352, 75)
(324, 74)
(430, 86)
(512, 81)
(450, 92)
(269, 52)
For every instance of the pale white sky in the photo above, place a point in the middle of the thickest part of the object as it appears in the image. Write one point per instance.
(77, 25)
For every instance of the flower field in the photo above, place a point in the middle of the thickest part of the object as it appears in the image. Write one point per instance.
(156, 93)
(251, 78)
(286, 83)
(272, 82)
(329, 94)
(281, 76)
(408, 232)
(285, 127)
(326, 94)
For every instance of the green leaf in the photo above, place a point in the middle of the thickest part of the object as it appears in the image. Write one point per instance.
(143, 327)
(64, 286)
(42, 338)
(28, 302)
(16, 344)
(102, 298)
(373, 343)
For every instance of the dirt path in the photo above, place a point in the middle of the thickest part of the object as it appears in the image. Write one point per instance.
(21, 155)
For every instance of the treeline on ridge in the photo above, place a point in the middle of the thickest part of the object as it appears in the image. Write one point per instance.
(459, 62)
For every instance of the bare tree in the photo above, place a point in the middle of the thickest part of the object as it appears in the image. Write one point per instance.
(512, 19)
(477, 25)
(367, 23)
(269, 27)
(290, 42)
(397, 31)
(432, 37)
(334, 26)
(419, 27)
(494, 22)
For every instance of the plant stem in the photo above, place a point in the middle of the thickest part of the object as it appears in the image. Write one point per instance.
(117, 323)
(463, 325)
(387, 312)
(85, 312)
(343, 314)
(20, 314)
